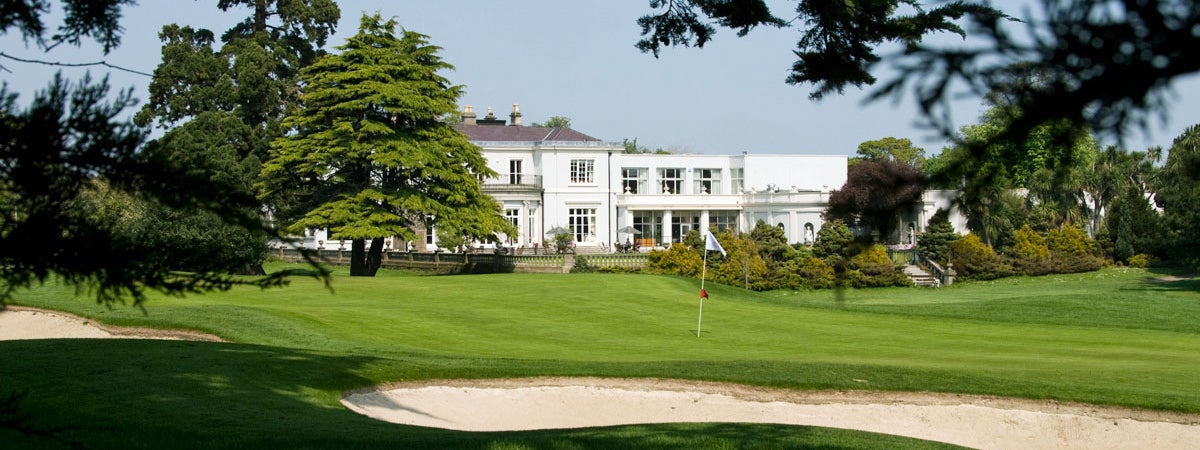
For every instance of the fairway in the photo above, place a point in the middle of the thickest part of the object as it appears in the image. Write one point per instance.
(1115, 337)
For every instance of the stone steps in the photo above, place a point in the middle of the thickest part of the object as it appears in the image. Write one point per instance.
(920, 277)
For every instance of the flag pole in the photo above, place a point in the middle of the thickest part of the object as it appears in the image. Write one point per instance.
(703, 275)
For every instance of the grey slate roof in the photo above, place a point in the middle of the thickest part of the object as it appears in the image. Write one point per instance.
(521, 133)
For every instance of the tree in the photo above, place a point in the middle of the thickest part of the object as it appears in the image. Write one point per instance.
(833, 239)
(742, 267)
(99, 19)
(893, 149)
(935, 242)
(367, 157)
(838, 39)
(632, 147)
(772, 242)
(876, 191)
(1178, 194)
(225, 104)
(68, 153)
(555, 122)
(1104, 64)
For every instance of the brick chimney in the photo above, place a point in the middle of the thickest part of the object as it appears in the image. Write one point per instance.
(515, 117)
(468, 115)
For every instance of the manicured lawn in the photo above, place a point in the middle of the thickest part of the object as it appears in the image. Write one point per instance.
(1112, 337)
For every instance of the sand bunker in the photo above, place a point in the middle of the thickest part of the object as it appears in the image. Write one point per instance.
(30, 323)
(972, 421)
(544, 403)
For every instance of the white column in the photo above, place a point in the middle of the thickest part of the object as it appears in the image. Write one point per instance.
(666, 234)
(703, 221)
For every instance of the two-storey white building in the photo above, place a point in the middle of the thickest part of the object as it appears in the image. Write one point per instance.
(554, 179)
(558, 179)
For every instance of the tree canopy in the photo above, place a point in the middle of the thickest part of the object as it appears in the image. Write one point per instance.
(1178, 195)
(73, 169)
(368, 157)
(1107, 64)
(875, 192)
(555, 122)
(894, 149)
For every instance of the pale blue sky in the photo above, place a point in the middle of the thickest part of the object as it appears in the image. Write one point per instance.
(577, 59)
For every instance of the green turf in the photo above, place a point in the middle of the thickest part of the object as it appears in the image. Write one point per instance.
(1111, 337)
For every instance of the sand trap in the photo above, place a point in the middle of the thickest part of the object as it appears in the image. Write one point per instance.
(30, 323)
(544, 403)
(972, 421)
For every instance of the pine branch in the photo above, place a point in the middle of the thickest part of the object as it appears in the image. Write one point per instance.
(62, 64)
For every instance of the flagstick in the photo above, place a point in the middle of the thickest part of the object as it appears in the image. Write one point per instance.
(703, 275)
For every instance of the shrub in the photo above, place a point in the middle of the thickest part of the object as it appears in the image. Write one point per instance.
(1142, 260)
(743, 266)
(812, 272)
(833, 239)
(873, 268)
(974, 260)
(1072, 251)
(677, 260)
(935, 242)
(581, 265)
(1030, 254)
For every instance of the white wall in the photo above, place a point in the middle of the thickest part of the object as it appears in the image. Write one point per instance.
(805, 172)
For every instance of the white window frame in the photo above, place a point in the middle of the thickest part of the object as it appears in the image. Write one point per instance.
(636, 183)
(583, 171)
(582, 223)
(674, 182)
(706, 178)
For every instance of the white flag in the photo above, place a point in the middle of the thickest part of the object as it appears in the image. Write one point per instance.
(710, 243)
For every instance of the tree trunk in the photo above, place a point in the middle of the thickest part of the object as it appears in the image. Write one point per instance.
(358, 259)
(374, 257)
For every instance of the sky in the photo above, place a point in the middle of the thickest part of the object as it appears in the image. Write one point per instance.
(577, 59)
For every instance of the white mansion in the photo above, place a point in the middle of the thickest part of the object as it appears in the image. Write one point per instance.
(554, 179)
(558, 177)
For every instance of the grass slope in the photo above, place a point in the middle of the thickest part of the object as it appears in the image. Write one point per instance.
(1112, 337)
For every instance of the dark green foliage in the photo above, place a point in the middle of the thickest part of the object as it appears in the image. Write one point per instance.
(893, 149)
(1132, 227)
(224, 105)
(1178, 194)
(833, 239)
(838, 40)
(95, 18)
(370, 158)
(935, 242)
(772, 242)
(61, 158)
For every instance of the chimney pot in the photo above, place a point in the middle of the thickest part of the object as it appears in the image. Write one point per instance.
(515, 116)
(468, 115)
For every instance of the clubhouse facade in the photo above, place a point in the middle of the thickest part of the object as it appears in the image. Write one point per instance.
(553, 180)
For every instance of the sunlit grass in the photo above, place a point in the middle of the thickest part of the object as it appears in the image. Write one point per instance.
(1112, 337)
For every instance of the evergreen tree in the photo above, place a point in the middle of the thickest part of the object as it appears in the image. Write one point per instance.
(833, 240)
(935, 242)
(1178, 195)
(367, 157)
